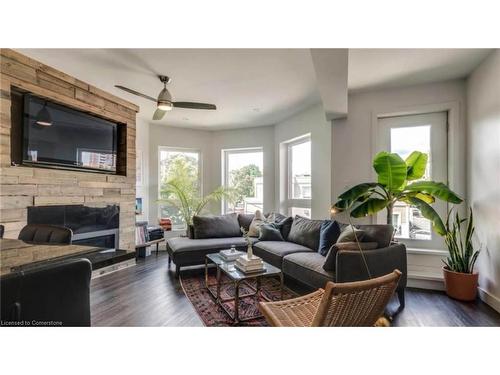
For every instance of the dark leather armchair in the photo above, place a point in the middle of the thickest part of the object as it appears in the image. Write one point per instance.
(57, 294)
(42, 233)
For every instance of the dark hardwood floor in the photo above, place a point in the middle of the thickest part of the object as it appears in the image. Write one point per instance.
(149, 295)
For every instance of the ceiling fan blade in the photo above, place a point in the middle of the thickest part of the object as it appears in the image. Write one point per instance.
(158, 115)
(135, 92)
(194, 105)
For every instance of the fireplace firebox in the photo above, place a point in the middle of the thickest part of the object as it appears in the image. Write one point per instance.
(96, 226)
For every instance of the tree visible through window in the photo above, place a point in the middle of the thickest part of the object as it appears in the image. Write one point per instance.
(243, 172)
(183, 165)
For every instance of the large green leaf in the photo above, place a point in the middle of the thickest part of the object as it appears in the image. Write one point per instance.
(358, 192)
(369, 207)
(436, 189)
(429, 213)
(416, 164)
(391, 170)
(427, 198)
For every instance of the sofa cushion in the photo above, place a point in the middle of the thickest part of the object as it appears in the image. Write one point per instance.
(331, 257)
(244, 220)
(185, 251)
(270, 232)
(380, 233)
(222, 226)
(308, 269)
(274, 251)
(305, 232)
(348, 235)
(328, 235)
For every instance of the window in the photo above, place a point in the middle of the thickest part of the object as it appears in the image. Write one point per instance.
(243, 172)
(183, 165)
(299, 176)
(426, 133)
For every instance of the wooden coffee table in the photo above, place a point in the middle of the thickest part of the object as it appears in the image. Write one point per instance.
(237, 278)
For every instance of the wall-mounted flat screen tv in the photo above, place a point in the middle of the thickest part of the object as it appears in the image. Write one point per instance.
(58, 136)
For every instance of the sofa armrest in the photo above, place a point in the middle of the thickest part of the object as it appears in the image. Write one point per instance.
(351, 267)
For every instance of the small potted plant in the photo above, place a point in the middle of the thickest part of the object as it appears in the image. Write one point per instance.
(459, 277)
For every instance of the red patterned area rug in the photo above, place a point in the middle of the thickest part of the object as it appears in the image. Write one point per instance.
(212, 315)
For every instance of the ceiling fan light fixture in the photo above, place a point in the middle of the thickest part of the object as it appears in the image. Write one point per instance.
(164, 101)
(165, 105)
(43, 117)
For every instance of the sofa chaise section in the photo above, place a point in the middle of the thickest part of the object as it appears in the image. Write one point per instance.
(184, 251)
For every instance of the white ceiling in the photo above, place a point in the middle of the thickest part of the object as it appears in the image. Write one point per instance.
(251, 87)
(376, 68)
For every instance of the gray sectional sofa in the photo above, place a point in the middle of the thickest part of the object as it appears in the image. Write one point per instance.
(297, 261)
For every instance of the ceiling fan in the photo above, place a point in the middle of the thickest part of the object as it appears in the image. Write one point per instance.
(164, 101)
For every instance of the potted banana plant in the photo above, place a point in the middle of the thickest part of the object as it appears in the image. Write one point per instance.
(398, 180)
(459, 276)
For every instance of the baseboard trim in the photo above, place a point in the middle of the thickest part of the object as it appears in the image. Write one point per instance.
(489, 299)
(425, 283)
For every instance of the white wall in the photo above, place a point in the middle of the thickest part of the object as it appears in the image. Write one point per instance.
(161, 135)
(211, 144)
(353, 151)
(311, 120)
(262, 136)
(483, 171)
(352, 137)
(142, 147)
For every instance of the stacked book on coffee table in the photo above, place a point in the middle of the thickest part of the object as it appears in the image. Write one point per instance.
(230, 255)
(249, 265)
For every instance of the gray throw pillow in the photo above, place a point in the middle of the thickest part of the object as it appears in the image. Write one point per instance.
(275, 217)
(305, 232)
(347, 234)
(380, 233)
(284, 226)
(216, 226)
(270, 232)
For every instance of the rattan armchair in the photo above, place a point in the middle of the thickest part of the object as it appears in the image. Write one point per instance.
(355, 304)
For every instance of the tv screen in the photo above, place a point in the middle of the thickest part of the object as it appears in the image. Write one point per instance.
(55, 135)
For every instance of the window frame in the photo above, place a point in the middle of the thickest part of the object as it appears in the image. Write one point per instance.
(290, 201)
(200, 174)
(442, 169)
(225, 153)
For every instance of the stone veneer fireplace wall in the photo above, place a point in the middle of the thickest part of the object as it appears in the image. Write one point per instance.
(22, 187)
